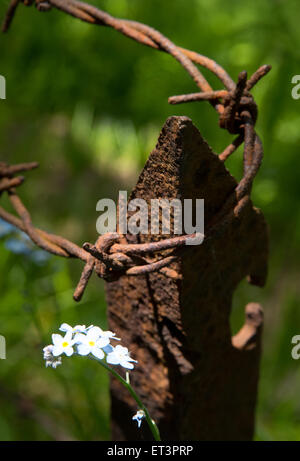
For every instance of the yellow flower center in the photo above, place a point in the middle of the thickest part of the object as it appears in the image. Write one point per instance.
(92, 343)
(65, 344)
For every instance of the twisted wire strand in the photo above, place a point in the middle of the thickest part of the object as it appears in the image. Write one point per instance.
(237, 114)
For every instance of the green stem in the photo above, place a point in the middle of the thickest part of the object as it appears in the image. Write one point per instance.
(153, 427)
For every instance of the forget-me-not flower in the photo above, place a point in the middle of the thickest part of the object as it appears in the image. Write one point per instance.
(120, 356)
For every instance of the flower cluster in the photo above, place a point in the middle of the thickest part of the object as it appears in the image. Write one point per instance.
(86, 341)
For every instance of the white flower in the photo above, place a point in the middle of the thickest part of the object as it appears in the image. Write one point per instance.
(77, 329)
(91, 343)
(103, 334)
(51, 361)
(120, 356)
(63, 345)
(139, 416)
(109, 334)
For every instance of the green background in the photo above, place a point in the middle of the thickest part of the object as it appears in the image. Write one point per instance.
(88, 104)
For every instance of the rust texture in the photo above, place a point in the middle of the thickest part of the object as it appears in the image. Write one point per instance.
(198, 382)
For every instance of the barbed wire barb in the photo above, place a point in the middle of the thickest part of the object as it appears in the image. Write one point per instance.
(237, 110)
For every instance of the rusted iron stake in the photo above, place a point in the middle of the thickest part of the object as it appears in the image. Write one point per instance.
(197, 381)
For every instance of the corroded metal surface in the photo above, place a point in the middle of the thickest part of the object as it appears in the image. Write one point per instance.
(198, 383)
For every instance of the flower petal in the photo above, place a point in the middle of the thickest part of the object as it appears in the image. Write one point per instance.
(80, 338)
(109, 334)
(121, 350)
(57, 350)
(126, 364)
(65, 327)
(79, 329)
(129, 359)
(102, 342)
(57, 339)
(97, 352)
(83, 349)
(94, 333)
(113, 358)
(68, 336)
(68, 351)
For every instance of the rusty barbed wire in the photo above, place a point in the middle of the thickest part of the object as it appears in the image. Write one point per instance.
(109, 257)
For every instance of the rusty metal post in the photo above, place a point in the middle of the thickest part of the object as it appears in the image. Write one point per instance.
(198, 381)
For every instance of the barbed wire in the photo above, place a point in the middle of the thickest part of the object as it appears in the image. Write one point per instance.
(237, 111)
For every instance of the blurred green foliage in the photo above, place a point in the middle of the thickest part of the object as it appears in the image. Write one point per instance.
(88, 104)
